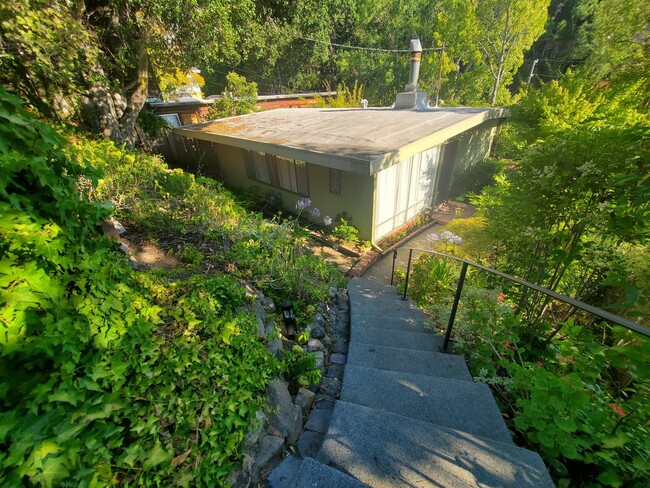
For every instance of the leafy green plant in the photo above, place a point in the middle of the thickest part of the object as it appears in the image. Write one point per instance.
(152, 125)
(476, 177)
(190, 255)
(111, 377)
(238, 98)
(303, 337)
(432, 279)
(346, 232)
(301, 366)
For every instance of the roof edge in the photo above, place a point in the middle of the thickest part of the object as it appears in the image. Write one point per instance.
(343, 163)
(389, 159)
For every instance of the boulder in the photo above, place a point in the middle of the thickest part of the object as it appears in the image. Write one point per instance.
(315, 345)
(305, 399)
(281, 416)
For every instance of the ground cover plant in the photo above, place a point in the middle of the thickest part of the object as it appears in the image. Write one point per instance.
(110, 376)
(571, 214)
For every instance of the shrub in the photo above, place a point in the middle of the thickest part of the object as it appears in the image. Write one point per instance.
(476, 177)
(349, 234)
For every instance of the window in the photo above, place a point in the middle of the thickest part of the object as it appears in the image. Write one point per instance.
(276, 171)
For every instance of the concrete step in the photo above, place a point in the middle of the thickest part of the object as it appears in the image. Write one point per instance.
(423, 341)
(364, 289)
(408, 361)
(448, 402)
(385, 450)
(379, 307)
(394, 323)
(313, 474)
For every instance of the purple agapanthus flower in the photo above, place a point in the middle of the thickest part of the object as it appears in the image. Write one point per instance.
(303, 203)
(327, 220)
(315, 213)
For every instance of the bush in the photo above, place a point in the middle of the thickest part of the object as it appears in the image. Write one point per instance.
(349, 234)
(476, 177)
(111, 377)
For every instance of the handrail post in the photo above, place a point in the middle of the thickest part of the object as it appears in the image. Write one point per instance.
(408, 272)
(454, 308)
(392, 270)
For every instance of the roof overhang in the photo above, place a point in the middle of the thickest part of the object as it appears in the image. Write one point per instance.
(363, 141)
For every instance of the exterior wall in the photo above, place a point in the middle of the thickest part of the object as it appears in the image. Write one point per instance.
(475, 145)
(405, 190)
(355, 200)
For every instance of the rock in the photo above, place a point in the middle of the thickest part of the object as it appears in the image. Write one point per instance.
(242, 477)
(261, 328)
(259, 311)
(315, 345)
(258, 430)
(268, 305)
(284, 473)
(327, 342)
(335, 371)
(275, 347)
(324, 402)
(309, 444)
(270, 329)
(267, 456)
(281, 415)
(330, 386)
(317, 331)
(341, 346)
(318, 319)
(334, 291)
(320, 359)
(296, 425)
(338, 358)
(305, 399)
(319, 421)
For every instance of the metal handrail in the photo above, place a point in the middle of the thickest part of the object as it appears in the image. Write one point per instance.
(611, 317)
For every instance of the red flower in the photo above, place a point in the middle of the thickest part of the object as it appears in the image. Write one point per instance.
(540, 364)
(507, 345)
(500, 298)
(619, 410)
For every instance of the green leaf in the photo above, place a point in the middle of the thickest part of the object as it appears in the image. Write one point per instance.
(610, 478)
(54, 470)
(565, 424)
(614, 442)
(156, 456)
(228, 330)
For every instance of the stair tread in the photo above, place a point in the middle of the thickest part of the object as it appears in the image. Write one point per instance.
(313, 473)
(424, 341)
(384, 450)
(448, 402)
(408, 361)
(408, 324)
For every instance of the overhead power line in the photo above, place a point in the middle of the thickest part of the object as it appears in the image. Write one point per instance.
(360, 48)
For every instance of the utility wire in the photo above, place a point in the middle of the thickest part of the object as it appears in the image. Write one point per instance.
(377, 49)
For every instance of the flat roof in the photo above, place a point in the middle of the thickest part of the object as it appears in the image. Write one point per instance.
(360, 140)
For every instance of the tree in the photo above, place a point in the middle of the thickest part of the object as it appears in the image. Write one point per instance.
(507, 28)
(106, 74)
(238, 98)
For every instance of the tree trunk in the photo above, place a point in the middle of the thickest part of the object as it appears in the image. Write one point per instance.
(115, 114)
(137, 98)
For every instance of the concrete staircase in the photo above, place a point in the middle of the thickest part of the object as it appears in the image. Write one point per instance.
(410, 416)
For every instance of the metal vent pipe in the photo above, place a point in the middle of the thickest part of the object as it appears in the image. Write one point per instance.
(414, 72)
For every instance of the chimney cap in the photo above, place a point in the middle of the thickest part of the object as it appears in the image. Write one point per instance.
(416, 46)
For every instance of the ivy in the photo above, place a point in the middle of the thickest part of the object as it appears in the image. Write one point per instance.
(109, 377)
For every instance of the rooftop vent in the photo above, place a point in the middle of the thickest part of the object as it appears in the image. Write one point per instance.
(411, 97)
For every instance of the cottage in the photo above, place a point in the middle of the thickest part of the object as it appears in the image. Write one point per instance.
(380, 166)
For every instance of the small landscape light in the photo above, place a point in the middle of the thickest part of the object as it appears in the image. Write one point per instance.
(289, 316)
